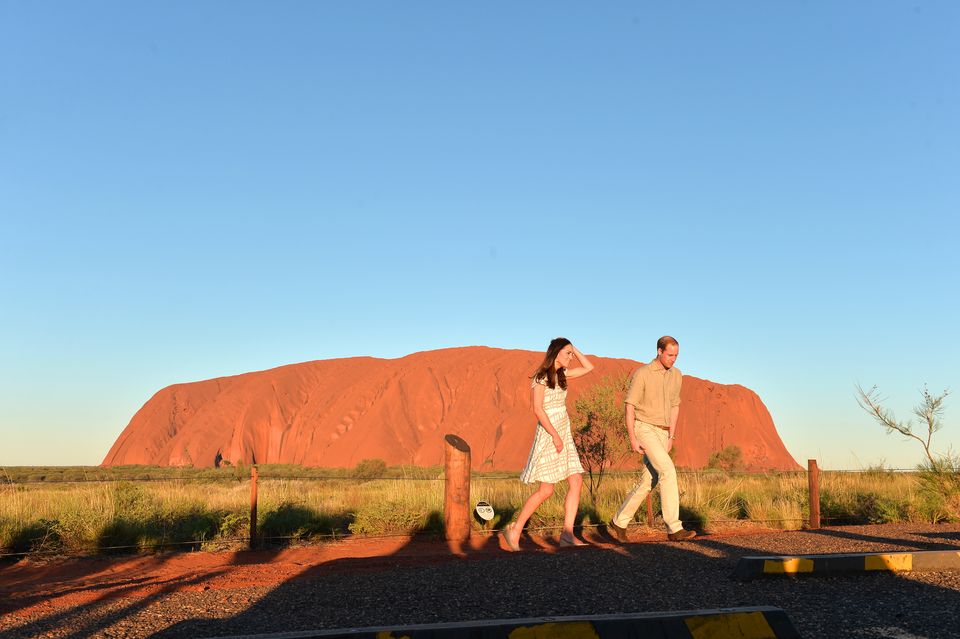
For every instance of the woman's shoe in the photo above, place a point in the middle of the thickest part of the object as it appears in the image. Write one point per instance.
(571, 541)
(513, 545)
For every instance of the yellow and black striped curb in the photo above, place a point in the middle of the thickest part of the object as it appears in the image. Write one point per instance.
(761, 622)
(753, 567)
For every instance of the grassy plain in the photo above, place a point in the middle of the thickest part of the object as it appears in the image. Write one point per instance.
(142, 509)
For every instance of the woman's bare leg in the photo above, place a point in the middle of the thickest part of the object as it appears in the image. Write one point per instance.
(529, 507)
(571, 504)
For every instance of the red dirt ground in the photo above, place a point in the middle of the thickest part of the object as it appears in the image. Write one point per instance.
(31, 587)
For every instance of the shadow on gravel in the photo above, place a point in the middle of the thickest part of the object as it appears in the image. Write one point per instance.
(897, 543)
(944, 535)
(65, 616)
(299, 602)
(19, 582)
(421, 583)
(860, 605)
(428, 580)
(100, 610)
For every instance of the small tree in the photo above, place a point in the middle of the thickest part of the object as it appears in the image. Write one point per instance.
(369, 469)
(729, 459)
(940, 474)
(597, 429)
(929, 411)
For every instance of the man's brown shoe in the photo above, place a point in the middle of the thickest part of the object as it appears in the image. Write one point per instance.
(681, 535)
(618, 533)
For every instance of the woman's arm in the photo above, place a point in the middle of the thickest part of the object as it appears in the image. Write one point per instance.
(538, 390)
(585, 365)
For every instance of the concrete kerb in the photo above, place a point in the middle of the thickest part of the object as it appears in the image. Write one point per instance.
(760, 622)
(753, 567)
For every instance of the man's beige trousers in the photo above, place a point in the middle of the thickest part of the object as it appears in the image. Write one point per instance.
(657, 468)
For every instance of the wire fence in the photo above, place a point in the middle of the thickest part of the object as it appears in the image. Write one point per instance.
(45, 541)
(241, 542)
(210, 478)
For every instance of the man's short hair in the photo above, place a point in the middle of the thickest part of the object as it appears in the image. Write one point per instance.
(665, 341)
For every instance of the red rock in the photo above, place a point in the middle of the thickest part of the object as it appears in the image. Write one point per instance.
(334, 413)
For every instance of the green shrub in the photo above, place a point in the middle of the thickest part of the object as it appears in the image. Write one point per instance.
(861, 508)
(289, 521)
(729, 459)
(184, 529)
(121, 536)
(130, 501)
(370, 469)
(941, 475)
(232, 525)
(40, 536)
(383, 517)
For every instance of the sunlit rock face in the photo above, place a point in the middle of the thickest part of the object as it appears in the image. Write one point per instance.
(334, 413)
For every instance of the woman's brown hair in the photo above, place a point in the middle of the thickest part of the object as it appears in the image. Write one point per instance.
(547, 371)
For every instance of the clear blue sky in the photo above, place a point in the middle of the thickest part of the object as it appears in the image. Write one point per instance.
(198, 189)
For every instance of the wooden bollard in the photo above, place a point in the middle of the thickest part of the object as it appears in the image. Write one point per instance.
(813, 481)
(649, 510)
(456, 494)
(253, 507)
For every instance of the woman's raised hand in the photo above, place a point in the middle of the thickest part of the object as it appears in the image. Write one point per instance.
(585, 365)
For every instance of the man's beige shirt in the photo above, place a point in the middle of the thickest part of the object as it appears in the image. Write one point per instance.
(654, 390)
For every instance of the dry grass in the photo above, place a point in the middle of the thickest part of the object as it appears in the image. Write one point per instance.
(125, 516)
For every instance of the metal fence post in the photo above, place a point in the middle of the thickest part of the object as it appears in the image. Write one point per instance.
(253, 507)
(456, 494)
(813, 481)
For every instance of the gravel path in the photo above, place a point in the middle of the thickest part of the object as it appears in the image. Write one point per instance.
(600, 579)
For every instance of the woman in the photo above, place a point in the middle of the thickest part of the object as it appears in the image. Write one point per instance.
(553, 456)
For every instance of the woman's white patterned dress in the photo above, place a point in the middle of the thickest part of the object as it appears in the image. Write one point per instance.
(545, 463)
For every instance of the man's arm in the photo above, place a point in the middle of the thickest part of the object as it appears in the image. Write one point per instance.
(631, 402)
(629, 419)
(674, 413)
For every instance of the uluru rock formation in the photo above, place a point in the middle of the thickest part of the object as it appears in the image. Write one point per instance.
(335, 413)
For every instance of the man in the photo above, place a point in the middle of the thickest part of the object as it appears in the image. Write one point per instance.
(652, 406)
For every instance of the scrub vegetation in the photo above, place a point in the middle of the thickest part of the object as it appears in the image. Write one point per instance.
(81, 511)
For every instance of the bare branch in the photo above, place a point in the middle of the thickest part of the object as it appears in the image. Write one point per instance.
(930, 411)
(870, 402)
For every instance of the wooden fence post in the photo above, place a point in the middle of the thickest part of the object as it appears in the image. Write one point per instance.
(650, 510)
(253, 507)
(456, 494)
(813, 481)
